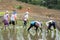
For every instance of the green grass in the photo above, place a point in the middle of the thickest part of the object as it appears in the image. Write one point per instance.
(2, 13)
(0, 0)
(18, 6)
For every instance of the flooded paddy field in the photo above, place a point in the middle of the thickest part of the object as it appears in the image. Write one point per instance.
(21, 33)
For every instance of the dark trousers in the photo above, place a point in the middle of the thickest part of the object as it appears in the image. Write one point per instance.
(25, 23)
(51, 24)
(12, 22)
(31, 25)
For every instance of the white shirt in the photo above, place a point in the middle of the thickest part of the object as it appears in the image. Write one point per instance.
(26, 16)
(13, 17)
(47, 23)
(38, 23)
(6, 16)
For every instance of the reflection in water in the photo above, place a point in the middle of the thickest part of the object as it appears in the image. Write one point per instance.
(25, 34)
(13, 34)
(5, 35)
(44, 35)
(51, 35)
(19, 33)
(1, 38)
(57, 35)
(9, 35)
(40, 35)
(35, 37)
(22, 34)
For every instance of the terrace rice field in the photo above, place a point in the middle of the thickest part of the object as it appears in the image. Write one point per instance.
(36, 13)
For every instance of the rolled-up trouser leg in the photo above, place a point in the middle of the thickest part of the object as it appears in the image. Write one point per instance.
(25, 23)
(49, 27)
(41, 29)
(54, 25)
(36, 28)
(30, 27)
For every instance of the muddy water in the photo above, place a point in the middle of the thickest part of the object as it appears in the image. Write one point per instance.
(20, 33)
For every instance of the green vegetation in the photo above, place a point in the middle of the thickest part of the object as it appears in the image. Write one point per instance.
(47, 3)
(0, 0)
(18, 7)
(2, 13)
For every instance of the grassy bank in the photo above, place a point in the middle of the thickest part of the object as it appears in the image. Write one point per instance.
(2, 13)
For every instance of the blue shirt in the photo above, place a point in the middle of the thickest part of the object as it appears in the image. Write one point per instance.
(33, 22)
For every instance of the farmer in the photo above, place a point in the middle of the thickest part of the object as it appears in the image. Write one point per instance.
(25, 18)
(15, 13)
(36, 24)
(6, 19)
(12, 20)
(50, 23)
